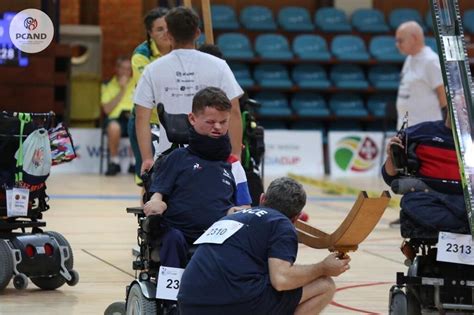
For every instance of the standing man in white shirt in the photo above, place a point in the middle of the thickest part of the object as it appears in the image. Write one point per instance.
(175, 78)
(421, 92)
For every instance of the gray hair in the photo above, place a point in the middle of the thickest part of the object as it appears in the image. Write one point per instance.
(285, 195)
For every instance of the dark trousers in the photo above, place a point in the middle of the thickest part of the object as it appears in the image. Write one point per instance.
(174, 248)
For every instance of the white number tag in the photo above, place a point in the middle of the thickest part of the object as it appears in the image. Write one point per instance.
(169, 280)
(219, 232)
(455, 248)
(17, 202)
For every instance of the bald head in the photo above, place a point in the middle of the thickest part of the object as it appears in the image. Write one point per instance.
(410, 38)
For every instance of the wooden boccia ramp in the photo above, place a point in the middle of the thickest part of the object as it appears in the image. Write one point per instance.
(358, 224)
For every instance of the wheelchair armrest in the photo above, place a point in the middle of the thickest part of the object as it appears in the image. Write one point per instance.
(408, 184)
(135, 210)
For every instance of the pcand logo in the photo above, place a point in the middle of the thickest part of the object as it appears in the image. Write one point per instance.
(31, 30)
(30, 23)
(356, 154)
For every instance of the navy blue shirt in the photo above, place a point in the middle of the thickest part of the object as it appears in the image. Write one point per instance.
(237, 270)
(198, 192)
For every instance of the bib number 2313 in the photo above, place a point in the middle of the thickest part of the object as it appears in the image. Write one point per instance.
(455, 248)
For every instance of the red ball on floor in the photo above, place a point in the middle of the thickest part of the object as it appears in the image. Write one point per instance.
(303, 216)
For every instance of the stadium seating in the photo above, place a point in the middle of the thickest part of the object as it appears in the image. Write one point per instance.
(224, 17)
(242, 74)
(377, 104)
(273, 46)
(295, 19)
(348, 105)
(273, 104)
(468, 20)
(272, 76)
(348, 76)
(310, 76)
(332, 20)
(349, 48)
(369, 21)
(257, 18)
(310, 105)
(401, 15)
(384, 77)
(431, 42)
(235, 46)
(383, 48)
(311, 47)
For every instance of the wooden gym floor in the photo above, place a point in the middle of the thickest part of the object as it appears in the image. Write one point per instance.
(89, 210)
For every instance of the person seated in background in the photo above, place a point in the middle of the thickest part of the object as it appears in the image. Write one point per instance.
(252, 269)
(439, 204)
(195, 186)
(117, 102)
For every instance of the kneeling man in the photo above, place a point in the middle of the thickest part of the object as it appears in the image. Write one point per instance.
(245, 264)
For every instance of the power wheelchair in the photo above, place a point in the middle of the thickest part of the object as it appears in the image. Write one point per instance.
(44, 257)
(429, 286)
(140, 295)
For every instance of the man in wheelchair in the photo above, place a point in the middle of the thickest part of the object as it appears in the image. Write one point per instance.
(422, 165)
(194, 186)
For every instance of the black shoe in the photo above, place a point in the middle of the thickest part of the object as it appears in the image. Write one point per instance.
(112, 169)
(171, 310)
(131, 169)
(395, 224)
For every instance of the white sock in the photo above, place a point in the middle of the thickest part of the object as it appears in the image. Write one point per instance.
(115, 159)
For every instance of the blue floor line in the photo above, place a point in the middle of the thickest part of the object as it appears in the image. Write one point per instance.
(135, 197)
(99, 197)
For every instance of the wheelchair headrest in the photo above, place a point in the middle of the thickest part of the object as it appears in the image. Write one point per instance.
(176, 125)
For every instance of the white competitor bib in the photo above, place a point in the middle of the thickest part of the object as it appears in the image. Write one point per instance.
(219, 232)
(169, 280)
(455, 248)
(17, 202)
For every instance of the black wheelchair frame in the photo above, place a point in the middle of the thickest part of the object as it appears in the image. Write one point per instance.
(44, 257)
(431, 286)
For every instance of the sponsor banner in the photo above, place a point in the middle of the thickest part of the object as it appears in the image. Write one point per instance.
(88, 150)
(293, 151)
(355, 153)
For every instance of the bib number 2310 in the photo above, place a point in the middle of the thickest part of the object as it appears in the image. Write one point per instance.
(169, 280)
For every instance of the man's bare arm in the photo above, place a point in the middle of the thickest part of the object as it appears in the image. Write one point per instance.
(235, 128)
(286, 276)
(155, 205)
(443, 102)
(142, 127)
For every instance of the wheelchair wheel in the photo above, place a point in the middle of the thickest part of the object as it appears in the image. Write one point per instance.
(398, 303)
(6, 261)
(138, 304)
(116, 308)
(413, 306)
(54, 282)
